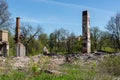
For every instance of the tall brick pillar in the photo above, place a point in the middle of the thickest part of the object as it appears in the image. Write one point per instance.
(86, 32)
(17, 33)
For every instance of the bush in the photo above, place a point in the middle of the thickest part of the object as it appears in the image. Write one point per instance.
(108, 49)
(111, 65)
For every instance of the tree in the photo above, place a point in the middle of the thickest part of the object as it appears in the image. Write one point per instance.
(43, 40)
(113, 28)
(71, 42)
(95, 37)
(74, 44)
(12, 44)
(52, 41)
(4, 14)
(61, 37)
(28, 32)
(104, 40)
(29, 35)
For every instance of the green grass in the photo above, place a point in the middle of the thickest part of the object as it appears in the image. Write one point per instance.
(72, 75)
(70, 72)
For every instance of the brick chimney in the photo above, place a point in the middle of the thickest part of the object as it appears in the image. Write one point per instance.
(86, 32)
(17, 30)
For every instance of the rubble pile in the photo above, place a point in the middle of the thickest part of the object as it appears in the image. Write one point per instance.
(54, 62)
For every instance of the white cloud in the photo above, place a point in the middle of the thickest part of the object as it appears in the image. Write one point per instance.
(58, 19)
(31, 20)
(70, 5)
(50, 20)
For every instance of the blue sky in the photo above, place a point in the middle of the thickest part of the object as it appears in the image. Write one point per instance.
(67, 14)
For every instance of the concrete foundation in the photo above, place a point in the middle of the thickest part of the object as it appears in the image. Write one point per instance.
(20, 50)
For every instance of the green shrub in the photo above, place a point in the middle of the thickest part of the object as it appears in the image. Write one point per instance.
(111, 65)
(108, 49)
